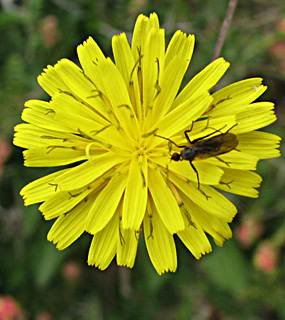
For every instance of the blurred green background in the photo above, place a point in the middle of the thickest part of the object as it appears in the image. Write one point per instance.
(243, 280)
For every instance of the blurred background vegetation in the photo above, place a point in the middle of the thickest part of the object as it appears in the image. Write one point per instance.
(243, 280)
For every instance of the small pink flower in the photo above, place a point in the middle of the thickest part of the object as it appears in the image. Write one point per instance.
(9, 308)
(43, 316)
(49, 31)
(249, 231)
(277, 50)
(5, 150)
(266, 257)
(71, 270)
(281, 25)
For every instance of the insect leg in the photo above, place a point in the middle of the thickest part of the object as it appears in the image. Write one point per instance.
(219, 130)
(223, 161)
(230, 128)
(198, 180)
(207, 135)
(197, 174)
(201, 138)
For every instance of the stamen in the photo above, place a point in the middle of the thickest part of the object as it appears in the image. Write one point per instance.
(128, 108)
(227, 183)
(137, 234)
(122, 240)
(68, 93)
(49, 111)
(149, 213)
(74, 195)
(157, 86)
(181, 204)
(142, 174)
(62, 147)
(69, 211)
(85, 76)
(188, 217)
(99, 131)
(54, 185)
(55, 138)
(99, 94)
(213, 105)
(151, 133)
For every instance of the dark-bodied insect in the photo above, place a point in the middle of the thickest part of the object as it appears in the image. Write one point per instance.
(204, 147)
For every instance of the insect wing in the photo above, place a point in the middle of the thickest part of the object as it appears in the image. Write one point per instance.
(215, 146)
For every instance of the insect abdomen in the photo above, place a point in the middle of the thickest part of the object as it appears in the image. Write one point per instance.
(215, 146)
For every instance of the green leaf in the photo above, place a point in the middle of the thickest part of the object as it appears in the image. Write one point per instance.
(227, 268)
(47, 263)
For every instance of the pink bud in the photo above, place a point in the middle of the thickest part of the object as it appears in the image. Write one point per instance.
(249, 231)
(9, 309)
(5, 149)
(281, 25)
(49, 31)
(266, 257)
(71, 270)
(43, 316)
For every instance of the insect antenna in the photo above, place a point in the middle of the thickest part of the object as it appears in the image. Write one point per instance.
(178, 146)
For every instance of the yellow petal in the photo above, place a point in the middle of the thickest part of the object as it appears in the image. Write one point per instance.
(152, 66)
(141, 30)
(236, 96)
(240, 182)
(203, 81)
(69, 227)
(210, 200)
(87, 172)
(127, 245)
(235, 160)
(169, 85)
(180, 45)
(261, 144)
(160, 244)
(63, 202)
(105, 204)
(83, 116)
(30, 136)
(182, 116)
(215, 226)
(208, 173)
(194, 238)
(52, 156)
(128, 67)
(51, 82)
(104, 244)
(114, 88)
(123, 57)
(80, 87)
(41, 114)
(255, 116)
(89, 53)
(41, 189)
(165, 202)
(136, 193)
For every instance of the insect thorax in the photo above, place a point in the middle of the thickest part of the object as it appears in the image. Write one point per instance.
(188, 154)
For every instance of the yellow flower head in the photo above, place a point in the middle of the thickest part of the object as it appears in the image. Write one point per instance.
(117, 125)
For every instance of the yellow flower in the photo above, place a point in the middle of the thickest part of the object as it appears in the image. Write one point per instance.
(116, 126)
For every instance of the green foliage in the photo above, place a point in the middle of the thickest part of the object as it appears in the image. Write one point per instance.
(225, 284)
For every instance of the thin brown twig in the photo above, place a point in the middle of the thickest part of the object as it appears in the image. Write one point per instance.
(224, 28)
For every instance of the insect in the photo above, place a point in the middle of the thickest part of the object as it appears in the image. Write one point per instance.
(204, 147)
